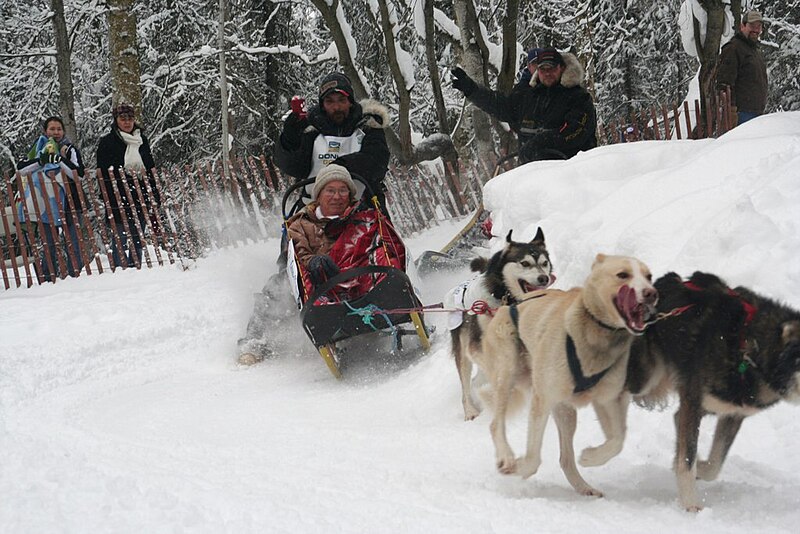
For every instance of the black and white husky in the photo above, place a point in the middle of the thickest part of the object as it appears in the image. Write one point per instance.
(503, 279)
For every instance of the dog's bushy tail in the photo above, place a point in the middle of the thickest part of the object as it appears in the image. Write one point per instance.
(479, 265)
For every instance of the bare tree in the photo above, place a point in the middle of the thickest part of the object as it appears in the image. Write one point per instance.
(66, 102)
(123, 53)
(708, 49)
(472, 58)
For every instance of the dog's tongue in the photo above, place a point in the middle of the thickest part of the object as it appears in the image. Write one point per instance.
(630, 307)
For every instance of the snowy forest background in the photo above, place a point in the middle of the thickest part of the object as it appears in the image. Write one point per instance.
(631, 49)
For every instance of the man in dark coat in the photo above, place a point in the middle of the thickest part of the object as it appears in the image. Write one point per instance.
(742, 68)
(340, 130)
(554, 116)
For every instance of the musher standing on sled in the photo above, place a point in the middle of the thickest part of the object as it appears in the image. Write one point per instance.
(338, 130)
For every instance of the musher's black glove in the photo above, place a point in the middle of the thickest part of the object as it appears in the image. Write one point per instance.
(293, 128)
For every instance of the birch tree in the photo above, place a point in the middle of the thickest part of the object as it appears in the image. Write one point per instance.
(123, 54)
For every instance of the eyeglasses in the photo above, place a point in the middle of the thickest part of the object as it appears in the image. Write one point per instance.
(342, 192)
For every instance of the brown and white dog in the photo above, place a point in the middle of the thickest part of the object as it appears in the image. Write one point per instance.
(510, 273)
(574, 346)
(727, 352)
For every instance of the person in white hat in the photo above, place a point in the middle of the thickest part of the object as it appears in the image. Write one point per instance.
(334, 192)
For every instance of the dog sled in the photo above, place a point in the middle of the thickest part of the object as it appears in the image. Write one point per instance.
(371, 293)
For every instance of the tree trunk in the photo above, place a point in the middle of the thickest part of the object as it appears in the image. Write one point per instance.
(708, 51)
(124, 56)
(66, 101)
(223, 87)
(508, 69)
(433, 70)
(403, 94)
(472, 61)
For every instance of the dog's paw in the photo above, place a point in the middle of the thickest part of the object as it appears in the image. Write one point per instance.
(594, 456)
(471, 412)
(527, 467)
(589, 491)
(707, 471)
(507, 465)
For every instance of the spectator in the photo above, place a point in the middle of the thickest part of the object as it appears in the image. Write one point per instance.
(49, 165)
(125, 152)
(528, 69)
(337, 129)
(554, 116)
(630, 134)
(333, 195)
(743, 70)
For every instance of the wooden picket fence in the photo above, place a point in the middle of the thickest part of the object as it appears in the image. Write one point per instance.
(679, 121)
(204, 208)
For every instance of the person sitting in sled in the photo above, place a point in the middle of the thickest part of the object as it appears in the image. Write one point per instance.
(333, 195)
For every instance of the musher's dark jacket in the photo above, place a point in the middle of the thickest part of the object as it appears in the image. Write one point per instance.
(295, 150)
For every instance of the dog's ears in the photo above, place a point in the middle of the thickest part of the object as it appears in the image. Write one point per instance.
(508, 237)
(538, 237)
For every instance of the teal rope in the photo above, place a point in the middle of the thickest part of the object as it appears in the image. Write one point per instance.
(368, 312)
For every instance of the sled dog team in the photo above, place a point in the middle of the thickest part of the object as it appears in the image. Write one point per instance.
(619, 337)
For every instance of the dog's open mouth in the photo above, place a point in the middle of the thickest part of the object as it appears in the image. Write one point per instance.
(527, 287)
(636, 314)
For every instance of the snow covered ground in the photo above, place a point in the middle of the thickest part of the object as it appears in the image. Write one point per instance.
(122, 408)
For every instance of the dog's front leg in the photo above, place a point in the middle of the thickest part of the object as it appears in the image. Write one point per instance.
(502, 384)
(537, 421)
(613, 420)
(727, 428)
(464, 366)
(566, 420)
(687, 423)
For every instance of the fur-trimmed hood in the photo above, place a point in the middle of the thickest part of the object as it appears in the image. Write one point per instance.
(573, 73)
(376, 115)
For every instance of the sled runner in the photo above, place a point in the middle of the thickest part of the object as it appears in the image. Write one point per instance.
(459, 251)
(372, 292)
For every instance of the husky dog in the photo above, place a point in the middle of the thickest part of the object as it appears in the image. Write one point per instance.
(732, 353)
(575, 345)
(505, 278)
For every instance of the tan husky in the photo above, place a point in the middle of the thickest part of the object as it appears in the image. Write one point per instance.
(575, 344)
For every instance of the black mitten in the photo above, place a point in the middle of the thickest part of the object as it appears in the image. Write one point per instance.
(463, 82)
(321, 268)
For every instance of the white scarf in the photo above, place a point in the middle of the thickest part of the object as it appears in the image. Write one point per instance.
(133, 160)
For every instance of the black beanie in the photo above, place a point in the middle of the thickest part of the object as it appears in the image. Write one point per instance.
(338, 82)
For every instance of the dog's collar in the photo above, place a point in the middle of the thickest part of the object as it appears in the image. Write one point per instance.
(582, 382)
(601, 323)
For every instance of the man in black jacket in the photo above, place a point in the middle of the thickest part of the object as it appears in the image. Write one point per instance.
(554, 116)
(743, 70)
(339, 130)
